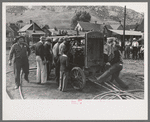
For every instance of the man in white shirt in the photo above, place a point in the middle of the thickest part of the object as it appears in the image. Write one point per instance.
(135, 45)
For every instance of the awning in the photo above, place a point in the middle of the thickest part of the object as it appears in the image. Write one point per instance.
(127, 32)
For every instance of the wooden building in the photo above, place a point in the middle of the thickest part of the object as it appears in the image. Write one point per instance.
(32, 32)
(46, 30)
(86, 27)
(11, 33)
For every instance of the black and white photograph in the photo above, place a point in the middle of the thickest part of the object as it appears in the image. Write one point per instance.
(78, 54)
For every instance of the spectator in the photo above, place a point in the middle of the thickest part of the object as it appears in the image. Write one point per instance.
(41, 61)
(135, 45)
(48, 55)
(55, 60)
(63, 47)
(127, 49)
(141, 52)
(21, 51)
(63, 60)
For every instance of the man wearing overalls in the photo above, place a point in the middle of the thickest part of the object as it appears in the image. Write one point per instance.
(21, 51)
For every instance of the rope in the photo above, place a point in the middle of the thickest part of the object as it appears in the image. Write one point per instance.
(20, 87)
(118, 92)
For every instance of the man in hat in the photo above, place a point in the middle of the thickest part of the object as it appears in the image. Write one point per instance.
(41, 61)
(21, 51)
(114, 70)
(48, 55)
(135, 45)
(56, 59)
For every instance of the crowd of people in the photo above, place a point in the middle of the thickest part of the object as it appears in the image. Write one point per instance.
(134, 48)
(50, 54)
(47, 56)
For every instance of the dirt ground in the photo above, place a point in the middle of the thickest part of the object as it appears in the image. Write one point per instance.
(132, 74)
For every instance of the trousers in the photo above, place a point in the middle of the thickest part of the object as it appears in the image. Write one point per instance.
(127, 52)
(57, 69)
(41, 71)
(114, 70)
(63, 80)
(135, 51)
(20, 63)
(49, 67)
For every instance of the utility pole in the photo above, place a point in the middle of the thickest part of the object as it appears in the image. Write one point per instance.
(124, 26)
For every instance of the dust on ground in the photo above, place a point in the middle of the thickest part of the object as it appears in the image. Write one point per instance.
(132, 74)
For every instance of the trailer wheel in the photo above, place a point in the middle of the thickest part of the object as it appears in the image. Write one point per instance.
(77, 78)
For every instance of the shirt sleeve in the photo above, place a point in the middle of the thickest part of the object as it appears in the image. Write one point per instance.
(67, 63)
(29, 51)
(12, 50)
(41, 51)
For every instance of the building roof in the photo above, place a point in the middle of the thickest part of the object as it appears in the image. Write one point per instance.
(115, 26)
(128, 27)
(74, 32)
(90, 26)
(13, 27)
(36, 32)
(108, 27)
(127, 32)
(141, 26)
(29, 28)
(26, 27)
(54, 32)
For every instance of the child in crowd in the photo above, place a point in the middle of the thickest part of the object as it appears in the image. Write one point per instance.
(63, 61)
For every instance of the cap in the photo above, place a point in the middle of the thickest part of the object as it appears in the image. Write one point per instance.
(42, 38)
(49, 39)
(134, 39)
(18, 37)
(60, 40)
(55, 39)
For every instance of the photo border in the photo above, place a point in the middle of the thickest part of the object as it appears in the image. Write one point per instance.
(84, 1)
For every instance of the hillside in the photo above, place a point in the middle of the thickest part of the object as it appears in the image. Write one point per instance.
(60, 16)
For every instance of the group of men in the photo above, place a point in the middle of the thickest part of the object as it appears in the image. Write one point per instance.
(46, 56)
(49, 55)
(134, 48)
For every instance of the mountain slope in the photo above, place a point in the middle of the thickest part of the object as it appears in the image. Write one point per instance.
(60, 16)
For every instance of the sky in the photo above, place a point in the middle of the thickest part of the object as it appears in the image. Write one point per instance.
(137, 6)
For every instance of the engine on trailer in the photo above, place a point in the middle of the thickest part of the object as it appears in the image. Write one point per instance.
(76, 54)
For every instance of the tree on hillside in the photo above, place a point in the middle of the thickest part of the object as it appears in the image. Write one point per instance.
(80, 16)
(47, 26)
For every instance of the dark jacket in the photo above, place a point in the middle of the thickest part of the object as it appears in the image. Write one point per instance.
(18, 51)
(48, 51)
(39, 50)
(117, 57)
